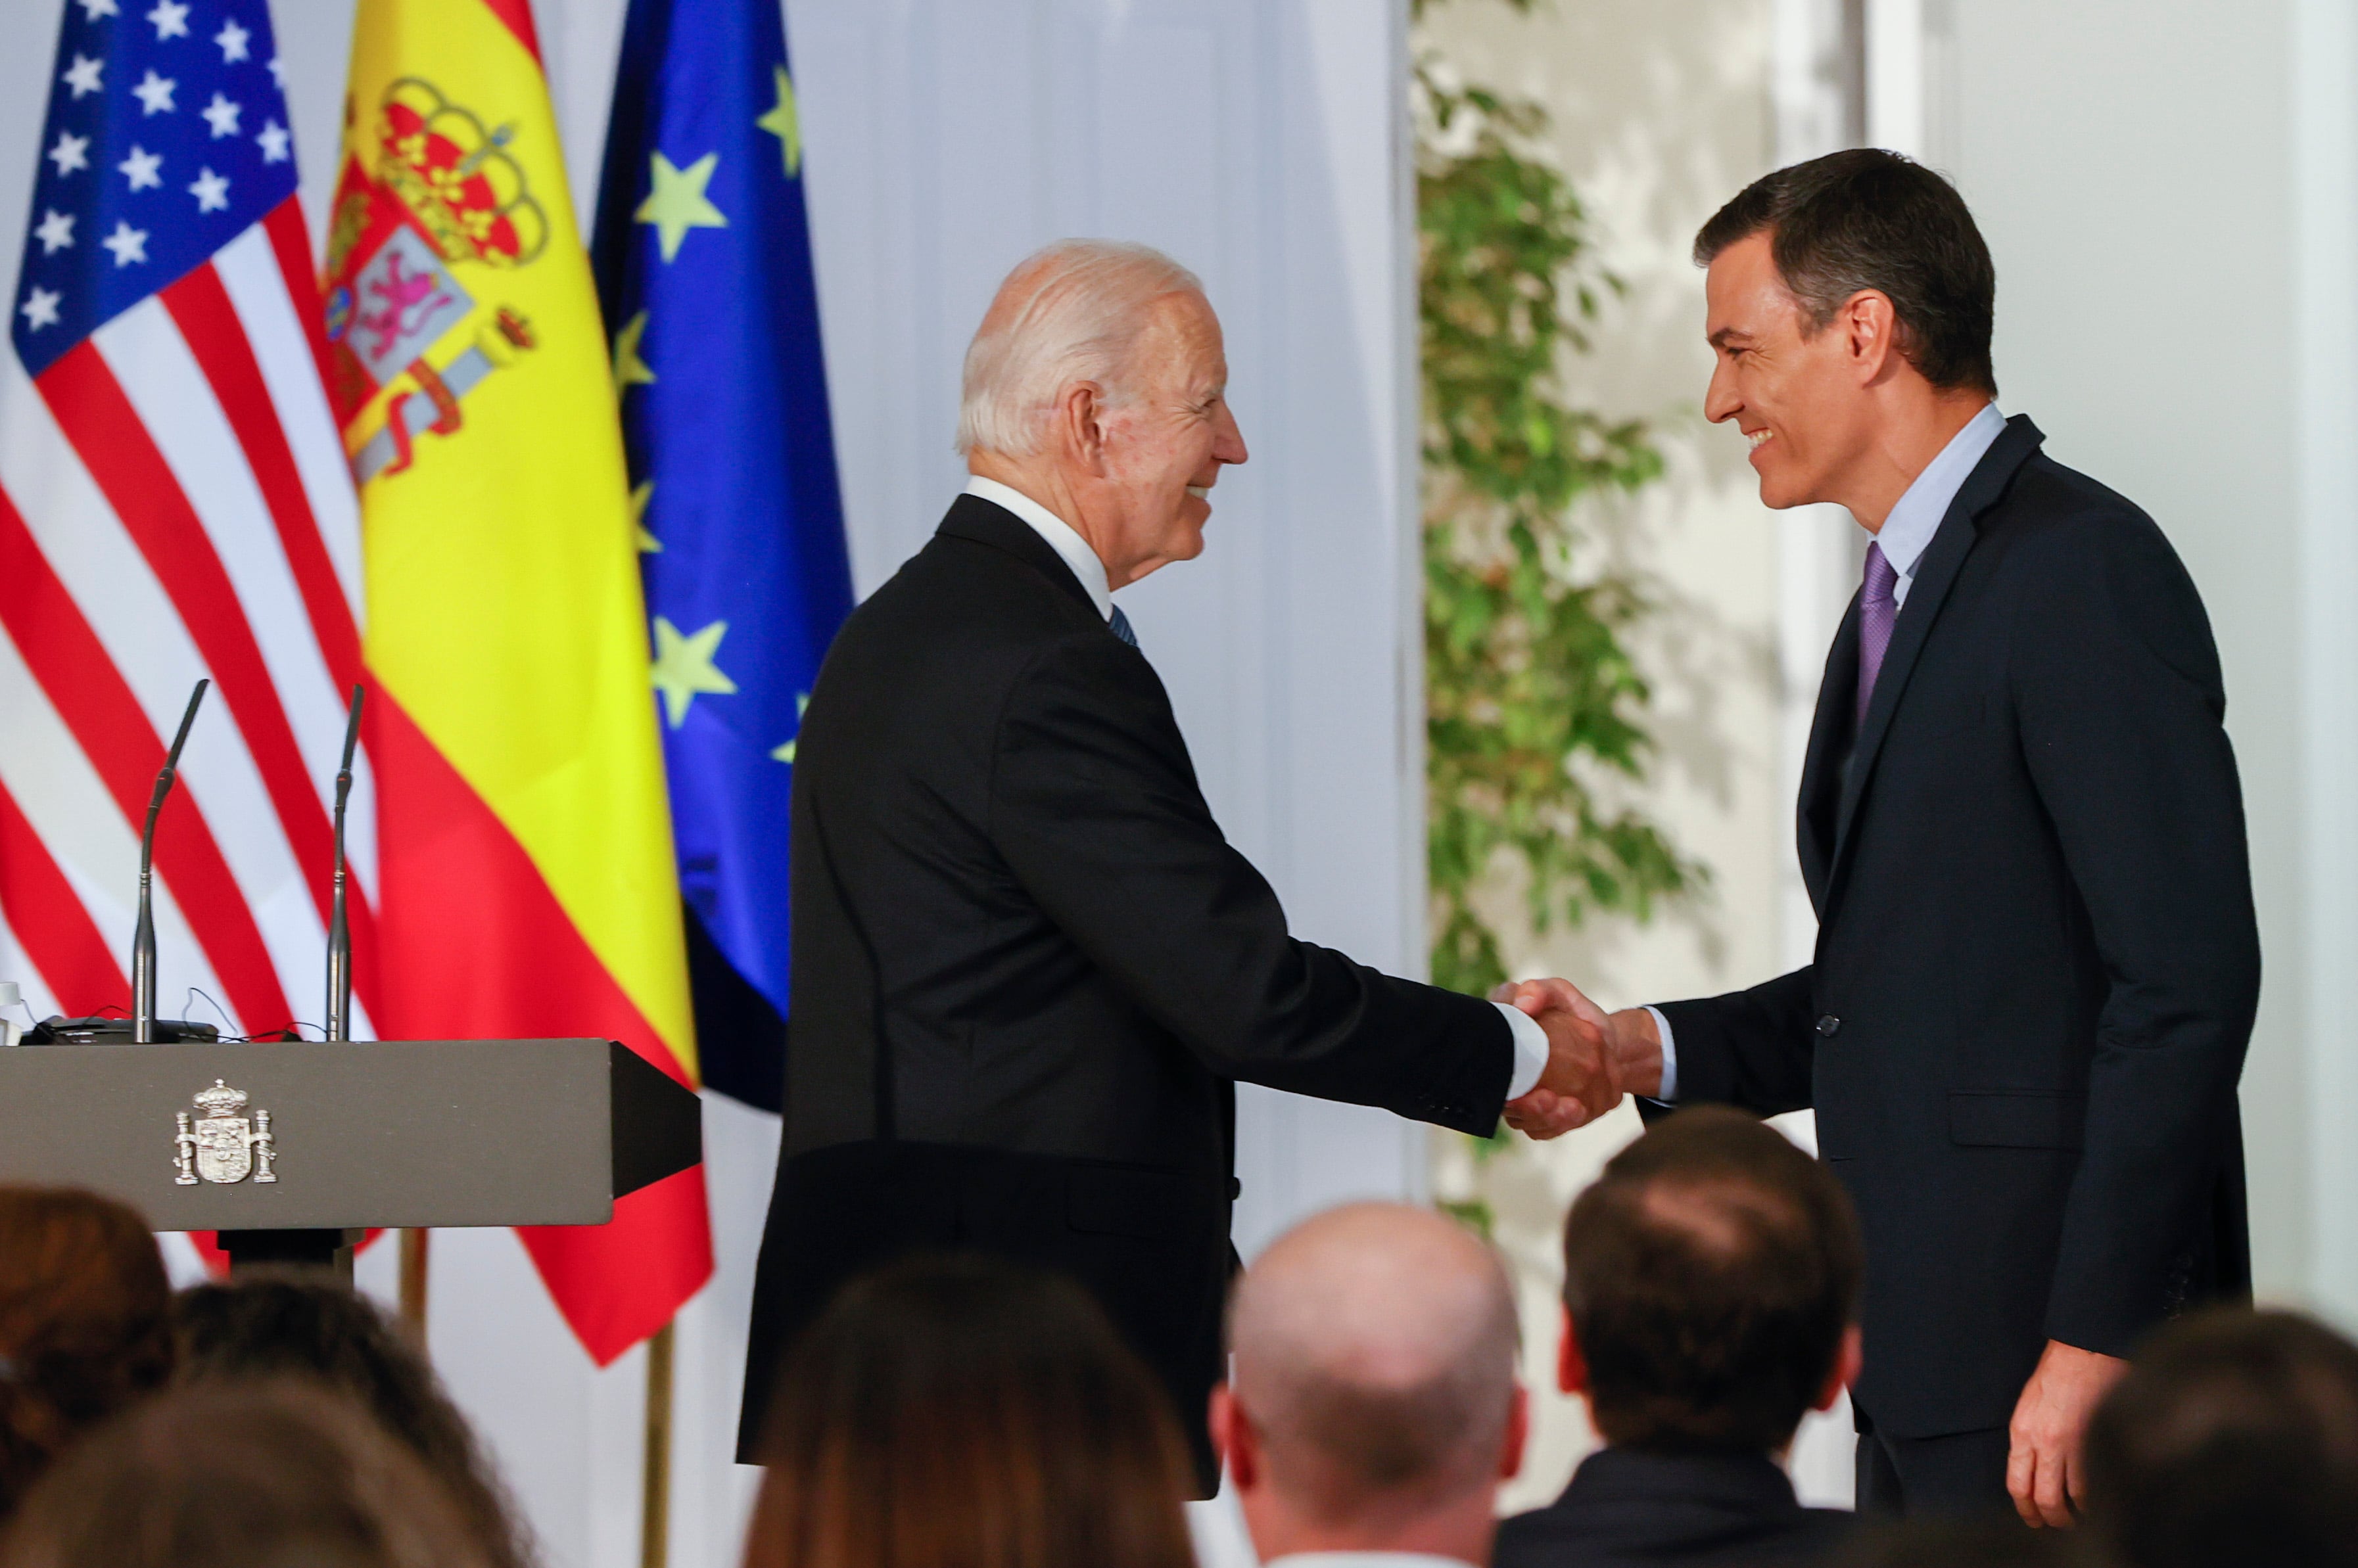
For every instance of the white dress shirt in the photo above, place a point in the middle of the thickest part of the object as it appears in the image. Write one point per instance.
(1530, 1039)
(1906, 533)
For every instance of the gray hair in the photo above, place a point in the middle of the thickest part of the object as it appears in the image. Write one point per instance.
(1374, 1352)
(1068, 314)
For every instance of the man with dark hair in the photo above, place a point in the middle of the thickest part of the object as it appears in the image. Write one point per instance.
(2022, 832)
(1710, 1282)
(2233, 1439)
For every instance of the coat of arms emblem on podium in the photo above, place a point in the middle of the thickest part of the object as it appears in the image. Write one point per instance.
(218, 1145)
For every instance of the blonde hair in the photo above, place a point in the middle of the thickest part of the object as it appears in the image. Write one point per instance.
(1068, 314)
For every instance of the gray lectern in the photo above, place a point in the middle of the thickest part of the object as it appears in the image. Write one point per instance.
(284, 1146)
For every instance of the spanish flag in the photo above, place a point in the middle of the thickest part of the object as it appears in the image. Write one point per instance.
(527, 881)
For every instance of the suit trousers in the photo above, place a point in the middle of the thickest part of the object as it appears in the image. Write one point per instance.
(1956, 1473)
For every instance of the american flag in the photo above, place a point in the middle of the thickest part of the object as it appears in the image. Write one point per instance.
(174, 503)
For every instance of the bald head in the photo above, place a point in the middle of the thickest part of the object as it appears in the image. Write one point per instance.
(1375, 1353)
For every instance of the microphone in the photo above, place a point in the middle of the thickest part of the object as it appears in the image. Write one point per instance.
(339, 931)
(143, 940)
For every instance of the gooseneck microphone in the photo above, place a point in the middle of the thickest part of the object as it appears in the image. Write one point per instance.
(339, 931)
(143, 940)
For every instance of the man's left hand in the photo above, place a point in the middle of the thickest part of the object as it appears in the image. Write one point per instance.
(2043, 1469)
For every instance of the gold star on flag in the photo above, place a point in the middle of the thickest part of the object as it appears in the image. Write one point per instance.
(678, 202)
(648, 543)
(630, 370)
(785, 124)
(684, 669)
(786, 753)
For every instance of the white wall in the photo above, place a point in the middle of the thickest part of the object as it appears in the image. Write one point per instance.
(1257, 140)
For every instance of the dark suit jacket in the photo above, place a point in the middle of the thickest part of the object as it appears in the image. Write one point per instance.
(1625, 1508)
(2037, 961)
(1028, 970)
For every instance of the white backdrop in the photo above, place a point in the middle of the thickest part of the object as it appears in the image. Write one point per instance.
(1258, 141)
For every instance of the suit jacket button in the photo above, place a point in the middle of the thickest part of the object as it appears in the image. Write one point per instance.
(1829, 1026)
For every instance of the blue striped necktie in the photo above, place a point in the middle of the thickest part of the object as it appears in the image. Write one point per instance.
(1121, 624)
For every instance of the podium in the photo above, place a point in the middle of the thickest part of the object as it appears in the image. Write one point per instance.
(283, 1147)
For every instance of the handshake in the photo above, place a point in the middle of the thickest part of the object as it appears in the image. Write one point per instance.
(1594, 1058)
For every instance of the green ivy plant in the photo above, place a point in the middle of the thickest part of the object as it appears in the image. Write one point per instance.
(1531, 694)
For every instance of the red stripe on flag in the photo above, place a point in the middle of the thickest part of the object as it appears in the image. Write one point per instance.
(90, 695)
(56, 932)
(210, 324)
(476, 946)
(102, 425)
(291, 244)
(517, 15)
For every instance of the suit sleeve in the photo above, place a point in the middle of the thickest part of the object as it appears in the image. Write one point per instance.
(1095, 807)
(1753, 1049)
(2119, 704)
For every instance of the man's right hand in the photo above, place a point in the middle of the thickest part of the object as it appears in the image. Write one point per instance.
(1577, 1088)
(1581, 1081)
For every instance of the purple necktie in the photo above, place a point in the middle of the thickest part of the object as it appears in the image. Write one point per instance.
(1876, 611)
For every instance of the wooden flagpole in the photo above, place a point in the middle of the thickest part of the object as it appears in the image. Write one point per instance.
(413, 1285)
(655, 1516)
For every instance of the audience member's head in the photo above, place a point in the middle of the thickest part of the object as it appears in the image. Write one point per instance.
(1710, 1288)
(960, 1413)
(82, 1335)
(241, 1476)
(1372, 1404)
(1995, 1543)
(291, 1325)
(2232, 1438)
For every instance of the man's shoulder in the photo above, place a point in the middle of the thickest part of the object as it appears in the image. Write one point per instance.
(1653, 1509)
(2051, 514)
(960, 599)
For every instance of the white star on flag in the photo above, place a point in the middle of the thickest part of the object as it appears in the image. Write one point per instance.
(141, 167)
(40, 309)
(83, 75)
(211, 191)
(278, 74)
(55, 231)
(154, 92)
(273, 140)
(72, 153)
(171, 19)
(231, 40)
(126, 243)
(93, 9)
(221, 115)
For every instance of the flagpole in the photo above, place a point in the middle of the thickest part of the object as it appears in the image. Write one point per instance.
(655, 1516)
(413, 1285)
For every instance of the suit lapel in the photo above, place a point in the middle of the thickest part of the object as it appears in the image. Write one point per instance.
(1821, 765)
(1935, 574)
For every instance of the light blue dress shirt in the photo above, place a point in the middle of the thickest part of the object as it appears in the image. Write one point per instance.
(1905, 535)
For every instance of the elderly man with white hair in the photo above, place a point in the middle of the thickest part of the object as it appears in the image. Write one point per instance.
(1028, 969)
(1371, 1409)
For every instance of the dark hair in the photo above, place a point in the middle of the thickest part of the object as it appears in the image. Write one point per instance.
(2001, 1541)
(2233, 1438)
(1709, 1275)
(82, 1303)
(1866, 219)
(240, 1475)
(961, 1413)
(269, 1325)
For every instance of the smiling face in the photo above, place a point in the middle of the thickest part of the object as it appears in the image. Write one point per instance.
(1801, 398)
(1166, 444)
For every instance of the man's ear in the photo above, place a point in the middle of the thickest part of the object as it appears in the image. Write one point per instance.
(1518, 1433)
(1571, 1366)
(1848, 1359)
(1871, 332)
(1080, 423)
(1232, 1439)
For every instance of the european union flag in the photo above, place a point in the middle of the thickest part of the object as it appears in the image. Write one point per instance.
(704, 269)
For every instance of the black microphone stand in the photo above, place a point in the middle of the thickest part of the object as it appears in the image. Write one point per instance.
(143, 940)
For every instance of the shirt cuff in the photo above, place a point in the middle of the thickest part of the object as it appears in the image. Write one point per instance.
(1669, 1094)
(1531, 1051)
